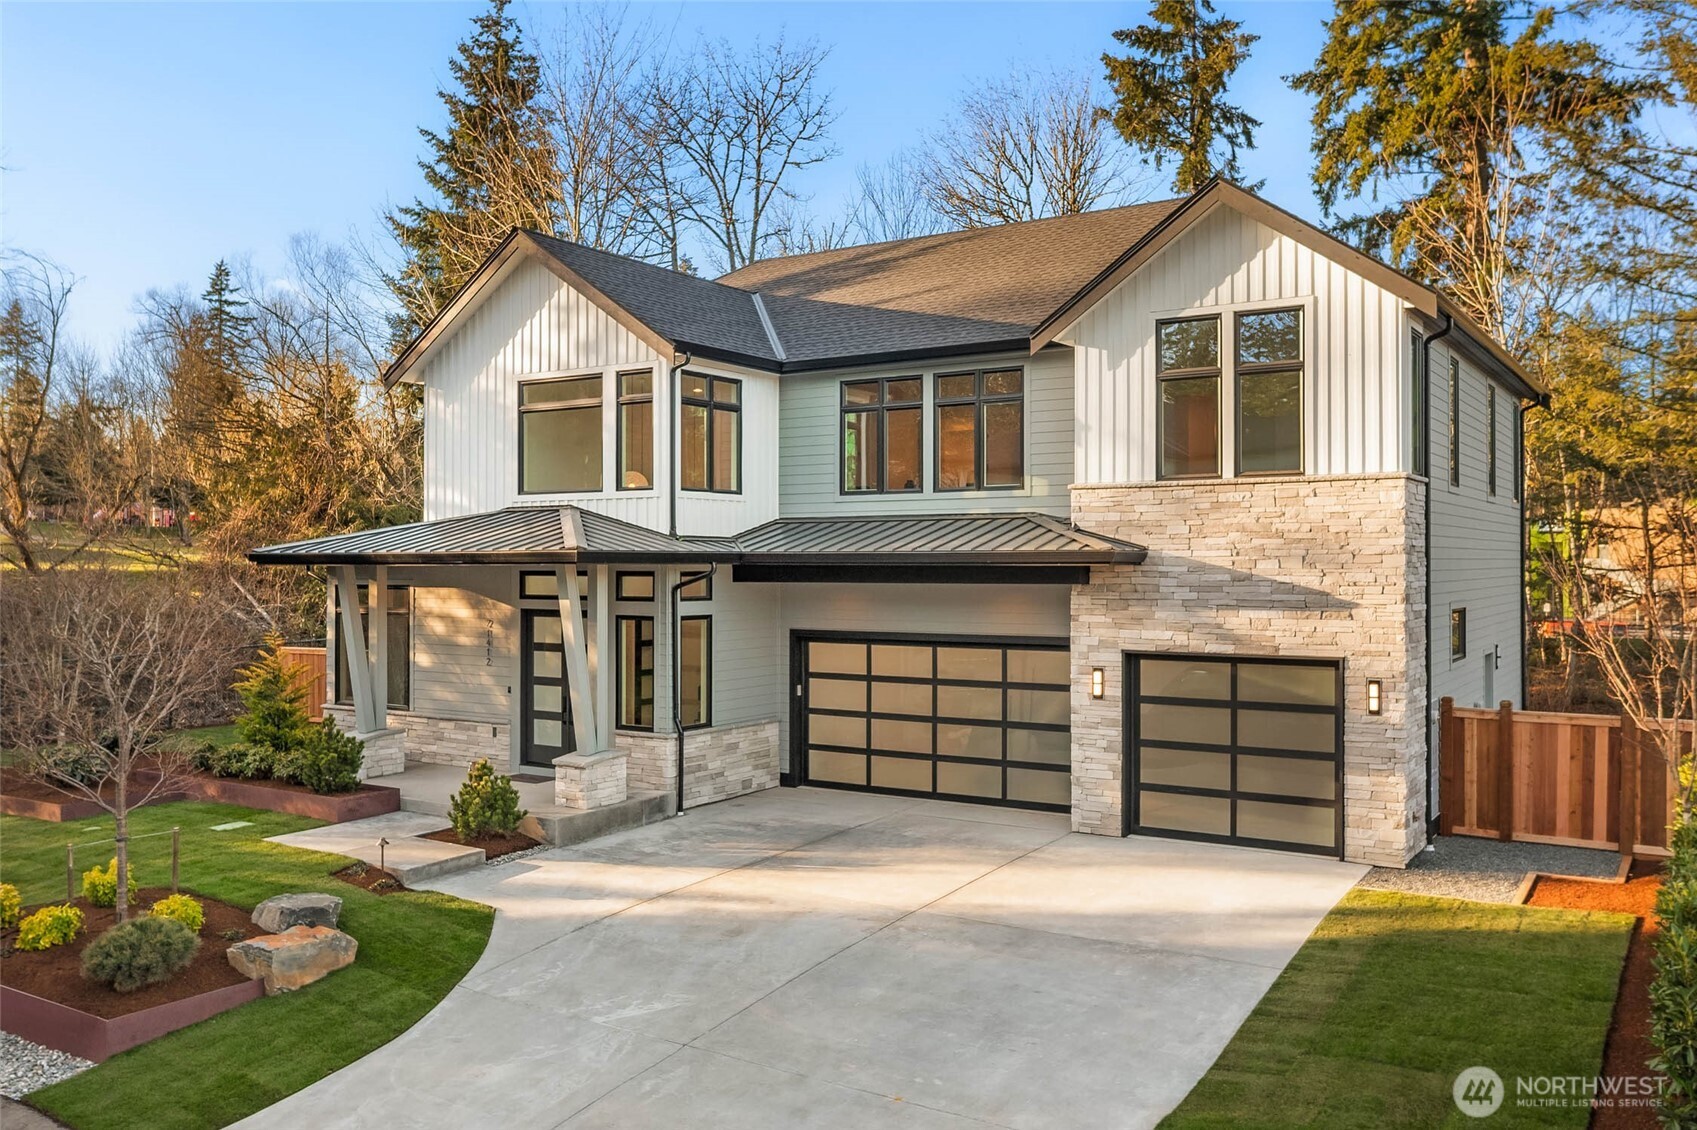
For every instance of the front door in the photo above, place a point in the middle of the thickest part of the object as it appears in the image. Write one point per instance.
(547, 707)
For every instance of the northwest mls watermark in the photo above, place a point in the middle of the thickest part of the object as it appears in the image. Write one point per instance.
(1480, 1092)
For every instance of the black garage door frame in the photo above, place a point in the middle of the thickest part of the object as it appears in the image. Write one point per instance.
(1130, 776)
(797, 773)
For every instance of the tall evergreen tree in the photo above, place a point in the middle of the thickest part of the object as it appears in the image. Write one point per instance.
(1170, 91)
(493, 169)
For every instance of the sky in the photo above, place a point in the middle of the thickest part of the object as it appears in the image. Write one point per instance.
(142, 142)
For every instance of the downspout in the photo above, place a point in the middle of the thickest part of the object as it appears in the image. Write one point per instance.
(675, 458)
(678, 668)
(1431, 478)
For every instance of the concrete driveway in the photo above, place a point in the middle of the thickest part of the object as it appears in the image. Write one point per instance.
(808, 958)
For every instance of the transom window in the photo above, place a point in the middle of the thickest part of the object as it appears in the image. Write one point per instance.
(1188, 372)
(560, 435)
(1269, 392)
(711, 444)
(881, 442)
(634, 586)
(636, 429)
(981, 429)
(1458, 633)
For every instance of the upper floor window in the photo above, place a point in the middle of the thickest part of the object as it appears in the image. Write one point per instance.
(1188, 372)
(1517, 422)
(1455, 422)
(710, 446)
(1417, 417)
(560, 435)
(1269, 392)
(881, 435)
(981, 429)
(636, 429)
(1491, 440)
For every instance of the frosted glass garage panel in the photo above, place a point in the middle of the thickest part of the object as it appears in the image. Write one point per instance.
(1292, 683)
(901, 698)
(1164, 722)
(1283, 729)
(902, 737)
(1187, 768)
(904, 661)
(1287, 776)
(1184, 678)
(1049, 747)
(837, 658)
(970, 702)
(830, 729)
(1031, 666)
(1178, 812)
(1287, 823)
(836, 768)
(980, 664)
(969, 780)
(901, 773)
(836, 694)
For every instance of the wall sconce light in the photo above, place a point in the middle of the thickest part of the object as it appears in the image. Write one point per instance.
(1375, 696)
(1098, 682)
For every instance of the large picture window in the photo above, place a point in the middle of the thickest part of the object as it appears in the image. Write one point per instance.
(881, 442)
(636, 430)
(560, 435)
(711, 443)
(981, 429)
(695, 685)
(1269, 392)
(400, 646)
(636, 672)
(1188, 372)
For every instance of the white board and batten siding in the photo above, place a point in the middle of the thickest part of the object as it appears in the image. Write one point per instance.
(1356, 407)
(533, 325)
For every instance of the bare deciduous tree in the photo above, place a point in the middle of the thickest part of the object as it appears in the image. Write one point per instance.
(34, 294)
(892, 203)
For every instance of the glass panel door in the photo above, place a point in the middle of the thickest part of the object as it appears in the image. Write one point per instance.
(547, 707)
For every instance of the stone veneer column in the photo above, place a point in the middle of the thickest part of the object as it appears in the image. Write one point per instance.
(1321, 568)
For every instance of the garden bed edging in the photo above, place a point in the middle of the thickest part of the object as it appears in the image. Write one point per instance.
(367, 800)
(96, 1038)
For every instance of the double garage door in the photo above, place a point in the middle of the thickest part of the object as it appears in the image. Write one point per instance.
(967, 719)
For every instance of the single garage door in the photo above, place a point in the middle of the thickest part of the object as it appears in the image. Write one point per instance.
(1245, 751)
(971, 719)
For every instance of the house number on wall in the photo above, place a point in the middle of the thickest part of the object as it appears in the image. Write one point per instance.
(489, 643)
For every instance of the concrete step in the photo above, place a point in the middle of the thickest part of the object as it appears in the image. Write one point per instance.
(406, 856)
(562, 826)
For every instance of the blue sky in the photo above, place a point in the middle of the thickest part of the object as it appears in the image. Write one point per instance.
(141, 142)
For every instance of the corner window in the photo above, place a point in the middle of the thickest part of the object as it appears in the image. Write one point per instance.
(560, 435)
(1458, 633)
(695, 668)
(400, 646)
(1491, 440)
(636, 672)
(1417, 414)
(710, 445)
(636, 430)
(981, 429)
(634, 586)
(881, 435)
(1455, 422)
(1269, 392)
(1188, 376)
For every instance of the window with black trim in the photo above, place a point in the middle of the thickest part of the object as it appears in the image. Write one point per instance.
(400, 645)
(981, 429)
(1458, 633)
(695, 669)
(881, 442)
(701, 589)
(560, 435)
(636, 429)
(1188, 376)
(1455, 422)
(710, 445)
(1491, 440)
(1269, 392)
(1517, 422)
(1417, 414)
(546, 586)
(634, 586)
(636, 672)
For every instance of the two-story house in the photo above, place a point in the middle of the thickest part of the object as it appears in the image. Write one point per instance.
(1179, 517)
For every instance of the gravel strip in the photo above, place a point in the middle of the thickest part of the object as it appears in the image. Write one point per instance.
(525, 854)
(1466, 867)
(26, 1067)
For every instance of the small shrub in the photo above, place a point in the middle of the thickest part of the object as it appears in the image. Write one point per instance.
(239, 759)
(48, 927)
(11, 906)
(140, 952)
(273, 695)
(205, 757)
(486, 804)
(184, 909)
(329, 760)
(1673, 993)
(100, 884)
(67, 765)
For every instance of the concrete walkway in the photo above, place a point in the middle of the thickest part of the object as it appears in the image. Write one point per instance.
(807, 958)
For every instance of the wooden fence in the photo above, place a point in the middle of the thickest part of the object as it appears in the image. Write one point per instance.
(311, 660)
(1575, 779)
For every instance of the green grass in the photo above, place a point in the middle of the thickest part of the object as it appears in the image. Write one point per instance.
(413, 948)
(1394, 995)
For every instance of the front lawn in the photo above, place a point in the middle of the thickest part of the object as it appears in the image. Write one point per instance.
(1394, 995)
(413, 948)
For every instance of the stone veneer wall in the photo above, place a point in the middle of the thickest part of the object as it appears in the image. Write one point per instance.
(719, 763)
(441, 741)
(1318, 568)
(385, 751)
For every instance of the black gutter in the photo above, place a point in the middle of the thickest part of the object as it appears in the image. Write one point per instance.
(1426, 548)
(678, 668)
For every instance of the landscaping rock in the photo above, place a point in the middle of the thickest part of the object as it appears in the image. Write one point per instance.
(277, 914)
(294, 958)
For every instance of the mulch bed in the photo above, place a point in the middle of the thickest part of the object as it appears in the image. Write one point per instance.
(56, 974)
(1628, 1048)
(493, 846)
(369, 878)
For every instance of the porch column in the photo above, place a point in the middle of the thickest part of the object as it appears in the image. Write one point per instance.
(354, 647)
(606, 657)
(378, 606)
(584, 729)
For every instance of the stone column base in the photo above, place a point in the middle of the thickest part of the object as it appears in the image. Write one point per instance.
(385, 752)
(590, 780)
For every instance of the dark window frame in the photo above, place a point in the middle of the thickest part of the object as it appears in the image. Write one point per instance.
(1299, 367)
(583, 584)
(1455, 422)
(713, 407)
(979, 400)
(619, 722)
(619, 586)
(344, 695)
(882, 407)
(1216, 372)
(706, 721)
(1458, 634)
(598, 405)
(621, 399)
(1491, 440)
(1517, 420)
(705, 585)
(1417, 415)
